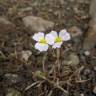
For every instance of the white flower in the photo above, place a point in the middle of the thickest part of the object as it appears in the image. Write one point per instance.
(58, 39)
(43, 41)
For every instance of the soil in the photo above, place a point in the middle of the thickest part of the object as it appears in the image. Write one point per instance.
(17, 74)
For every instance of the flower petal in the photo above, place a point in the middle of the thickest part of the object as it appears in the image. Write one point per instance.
(50, 39)
(41, 47)
(57, 45)
(64, 35)
(38, 36)
(54, 33)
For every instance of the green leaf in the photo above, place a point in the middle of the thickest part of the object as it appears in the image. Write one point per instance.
(40, 74)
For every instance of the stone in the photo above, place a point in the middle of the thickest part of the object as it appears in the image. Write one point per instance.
(87, 53)
(72, 60)
(94, 90)
(72, 0)
(25, 11)
(12, 92)
(75, 31)
(95, 68)
(13, 78)
(6, 26)
(87, 71)
(4, 20)
(90, 38)
(37, 24)
(76, 34)
(81, 94)
(62, 1)
(92, 9)
(25, 55)
(83, 1)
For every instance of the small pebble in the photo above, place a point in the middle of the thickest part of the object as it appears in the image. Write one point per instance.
(87, 53)
(94, 90)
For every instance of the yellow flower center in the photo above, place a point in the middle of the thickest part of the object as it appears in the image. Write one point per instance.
(43, 41)
(58, 39)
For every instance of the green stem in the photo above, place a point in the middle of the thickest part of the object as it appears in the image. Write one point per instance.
(58, 59)
(43, 61)
(57, 65)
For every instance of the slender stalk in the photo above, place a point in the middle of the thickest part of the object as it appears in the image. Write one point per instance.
(43, 61)
(58, 59)
(57, 64)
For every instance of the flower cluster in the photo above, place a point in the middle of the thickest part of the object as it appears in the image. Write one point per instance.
(53, 38)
